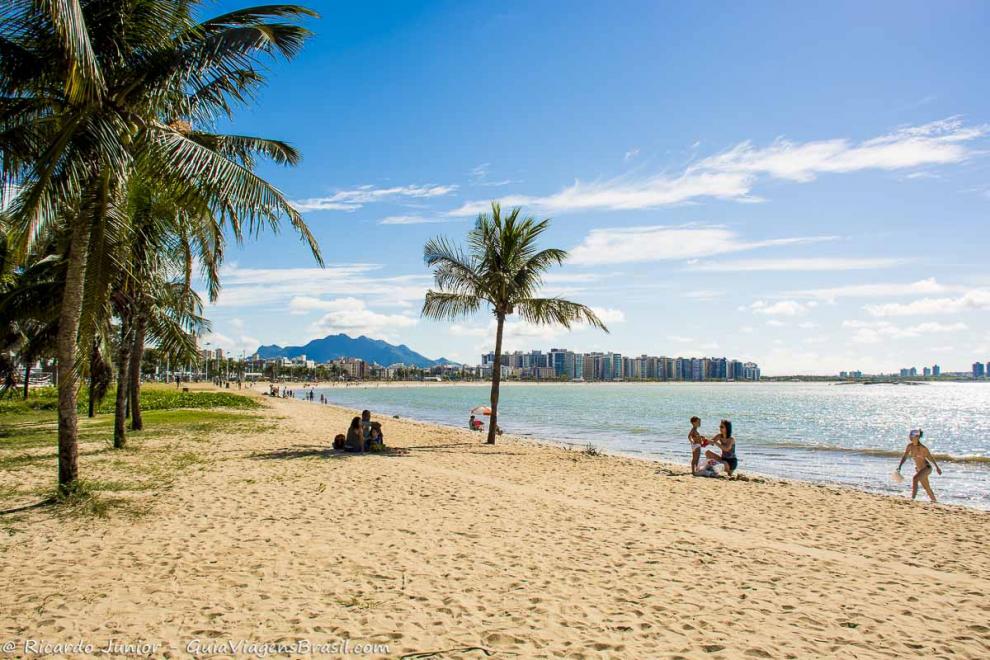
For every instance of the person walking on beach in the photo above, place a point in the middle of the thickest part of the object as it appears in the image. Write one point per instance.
(697, 441)
(727, 444)
(923, 462)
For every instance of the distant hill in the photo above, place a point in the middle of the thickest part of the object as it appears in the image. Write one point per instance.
(332, 347)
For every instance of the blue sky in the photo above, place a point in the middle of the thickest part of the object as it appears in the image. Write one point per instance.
(800, 186)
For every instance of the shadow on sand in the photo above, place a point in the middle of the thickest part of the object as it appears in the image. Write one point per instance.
(323, 452)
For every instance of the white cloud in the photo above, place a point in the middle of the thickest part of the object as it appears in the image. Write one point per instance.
(412, 220)
(248, 287)
(624, 193)
(929, 285)
(874, 332)
(660, 242)
(733, 173)
(704, 294)
(609, 315)
(781, 308)
(352, 200)
(796, 264)
(479, 177)
(975, 299)
(234, 346)
(522, 335)
(351, 316)
(632, 153)
(936, 143)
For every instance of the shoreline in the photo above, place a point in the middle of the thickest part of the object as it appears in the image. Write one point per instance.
(880, 488)
(521, 548)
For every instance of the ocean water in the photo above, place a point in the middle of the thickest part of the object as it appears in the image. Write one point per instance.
(820, 432)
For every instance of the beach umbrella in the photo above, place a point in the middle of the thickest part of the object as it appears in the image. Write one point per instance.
(481, 410)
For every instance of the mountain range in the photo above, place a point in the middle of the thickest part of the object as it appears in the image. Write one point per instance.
(332, 347)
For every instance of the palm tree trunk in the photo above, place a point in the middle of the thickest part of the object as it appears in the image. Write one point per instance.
(496, 380)
(92, 377)
(123, 373)
(65, 351)
(137, 353)
(27, 376)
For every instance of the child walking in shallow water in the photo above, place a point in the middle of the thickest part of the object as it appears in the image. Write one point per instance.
(923, 462)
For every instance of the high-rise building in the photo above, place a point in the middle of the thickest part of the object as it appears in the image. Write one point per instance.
(698, 371)
(751, 371)
(719, 369)
(979, 370)
(936, 370)
(927, 371)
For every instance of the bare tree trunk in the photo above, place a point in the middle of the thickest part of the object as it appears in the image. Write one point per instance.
(496, 379)
(123, 373)
(27, 376)
(137, 353)
(65, 352)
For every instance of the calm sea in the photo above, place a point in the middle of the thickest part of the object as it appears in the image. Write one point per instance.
(820, 432)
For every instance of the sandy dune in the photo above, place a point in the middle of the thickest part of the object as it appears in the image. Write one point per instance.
(518, 549)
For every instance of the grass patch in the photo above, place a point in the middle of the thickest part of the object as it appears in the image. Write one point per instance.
(153, 397)
(34, 429)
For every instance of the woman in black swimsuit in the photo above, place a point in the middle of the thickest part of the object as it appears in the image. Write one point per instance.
(727, 444)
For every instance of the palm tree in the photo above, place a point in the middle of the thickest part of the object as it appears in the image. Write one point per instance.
(503, 270)
(93, 90)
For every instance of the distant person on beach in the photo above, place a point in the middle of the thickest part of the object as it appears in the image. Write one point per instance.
(355, 436)
(727, 444)
(697, 442)
(923, 462)
(475, 424)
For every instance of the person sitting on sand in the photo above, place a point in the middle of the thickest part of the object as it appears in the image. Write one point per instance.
(475, 424)
(355, 436)
(366, 424)
(727, 444)
(697, 441)
(376, 442)
(923, 461)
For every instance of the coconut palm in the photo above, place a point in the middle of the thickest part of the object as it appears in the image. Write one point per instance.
(29, 298)
(502, 269)
(152, 294)
(92, 91)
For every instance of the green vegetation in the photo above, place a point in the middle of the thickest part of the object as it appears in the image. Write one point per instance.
(115, 188)
(152, 398)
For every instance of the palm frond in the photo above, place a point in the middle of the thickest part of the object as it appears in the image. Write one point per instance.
(441, 305)
(556, 311)
(84, 82)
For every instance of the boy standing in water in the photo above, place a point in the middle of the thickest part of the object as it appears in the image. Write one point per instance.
(923, 462)
(697, 442)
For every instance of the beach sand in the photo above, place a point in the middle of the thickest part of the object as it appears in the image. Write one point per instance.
(525, 550)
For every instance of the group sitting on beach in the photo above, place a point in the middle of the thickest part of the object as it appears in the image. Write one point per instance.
(723, 440)
(362, 435)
